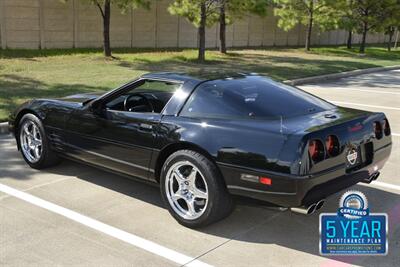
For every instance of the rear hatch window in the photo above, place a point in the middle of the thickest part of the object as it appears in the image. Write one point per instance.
(251, 97)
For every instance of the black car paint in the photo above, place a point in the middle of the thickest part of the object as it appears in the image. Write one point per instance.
(136, 143)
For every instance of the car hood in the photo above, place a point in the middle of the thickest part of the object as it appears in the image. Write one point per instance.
(81, 98)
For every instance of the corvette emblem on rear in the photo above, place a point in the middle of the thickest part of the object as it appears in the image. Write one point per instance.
(352, 156)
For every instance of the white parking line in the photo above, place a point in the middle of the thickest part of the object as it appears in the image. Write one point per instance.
(363, 105)
(106, 229)
(383, 185)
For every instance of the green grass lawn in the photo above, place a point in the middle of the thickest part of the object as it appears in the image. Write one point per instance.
(26, 74)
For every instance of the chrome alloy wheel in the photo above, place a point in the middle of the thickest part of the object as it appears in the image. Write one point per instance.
(31, 141)
(186, 190)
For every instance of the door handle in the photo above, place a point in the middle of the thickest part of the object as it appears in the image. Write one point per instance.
(146, 126)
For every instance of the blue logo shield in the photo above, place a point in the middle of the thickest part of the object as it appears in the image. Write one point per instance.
(353, 230)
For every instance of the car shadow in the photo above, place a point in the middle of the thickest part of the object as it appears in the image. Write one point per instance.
(258, 222)
(252, 222)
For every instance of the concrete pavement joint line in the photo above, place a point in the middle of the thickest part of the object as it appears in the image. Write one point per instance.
(362, 105)
(137, 241)
(236, 236)
(383, 185)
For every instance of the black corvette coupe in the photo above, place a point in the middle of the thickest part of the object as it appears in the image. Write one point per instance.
(203, 137)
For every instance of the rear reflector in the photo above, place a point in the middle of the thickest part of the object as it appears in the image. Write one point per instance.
(265, 180)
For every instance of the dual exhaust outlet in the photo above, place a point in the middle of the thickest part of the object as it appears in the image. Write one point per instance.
(308, 210)
(373, 177)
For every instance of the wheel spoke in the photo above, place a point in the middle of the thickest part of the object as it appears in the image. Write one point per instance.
(178, 176)
(192, 176)
(199, 193)
(36, 152)
(177, 195)
(34, 131)
(37, 142)
(190, 204)
(26, 130)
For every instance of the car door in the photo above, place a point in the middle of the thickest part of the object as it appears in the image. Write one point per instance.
(114, 138)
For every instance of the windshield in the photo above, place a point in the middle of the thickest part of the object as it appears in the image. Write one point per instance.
(251, 97)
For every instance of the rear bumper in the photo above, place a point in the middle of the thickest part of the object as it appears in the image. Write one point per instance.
(293, 191)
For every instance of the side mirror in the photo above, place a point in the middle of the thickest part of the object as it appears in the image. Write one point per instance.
(96, 106)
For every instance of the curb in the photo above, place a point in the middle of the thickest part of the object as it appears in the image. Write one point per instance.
(339, 75)
(4, 128)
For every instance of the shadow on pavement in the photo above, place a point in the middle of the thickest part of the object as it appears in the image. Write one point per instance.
(251, 221)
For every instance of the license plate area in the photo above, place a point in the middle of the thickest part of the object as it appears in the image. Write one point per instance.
(353, 158)
(358, 156)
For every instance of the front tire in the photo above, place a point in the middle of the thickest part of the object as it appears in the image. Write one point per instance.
(193, 189)
(34, 146)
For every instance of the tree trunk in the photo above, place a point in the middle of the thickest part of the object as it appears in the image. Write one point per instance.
(389, 44)
(202, 32)
(364, 38)
(309, 26)
(397, 38)
(222, 30)
(106, 29)
(349, 39)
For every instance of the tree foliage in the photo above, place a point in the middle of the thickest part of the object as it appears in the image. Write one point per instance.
(237, 9)
(191, 10)
(200, 13)
(364, 16)
(320, 13)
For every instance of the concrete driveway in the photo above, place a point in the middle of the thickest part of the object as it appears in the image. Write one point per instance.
(73, 214)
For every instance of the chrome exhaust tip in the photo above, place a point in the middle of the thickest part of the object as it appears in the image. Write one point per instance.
(304, 210)
(373, 177)
(320, 204)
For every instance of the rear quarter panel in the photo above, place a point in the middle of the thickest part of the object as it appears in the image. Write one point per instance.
(237, 142)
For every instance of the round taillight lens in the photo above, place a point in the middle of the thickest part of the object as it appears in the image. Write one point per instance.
(378, 130)
(386, 127)
(316, 150)
(332, 145)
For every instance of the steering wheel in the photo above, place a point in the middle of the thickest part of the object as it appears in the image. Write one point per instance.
(146, 101)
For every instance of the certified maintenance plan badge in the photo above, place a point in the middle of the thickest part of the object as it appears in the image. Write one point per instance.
(353, 230)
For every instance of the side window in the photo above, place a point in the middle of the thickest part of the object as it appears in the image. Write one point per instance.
(150, 96)
(215, 101)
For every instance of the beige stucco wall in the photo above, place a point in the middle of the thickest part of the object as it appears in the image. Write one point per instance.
(54, 24)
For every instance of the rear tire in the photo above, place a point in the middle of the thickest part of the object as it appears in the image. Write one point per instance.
(193, 189)
(34, 145)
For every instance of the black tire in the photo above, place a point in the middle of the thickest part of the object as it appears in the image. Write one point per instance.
(219, 200)
(48, 157)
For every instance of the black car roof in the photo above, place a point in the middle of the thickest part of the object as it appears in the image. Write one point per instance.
(199, 76)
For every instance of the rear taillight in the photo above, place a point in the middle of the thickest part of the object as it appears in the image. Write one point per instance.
(378, 130)
(332, 146)
(386, 127)
(316, 150)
